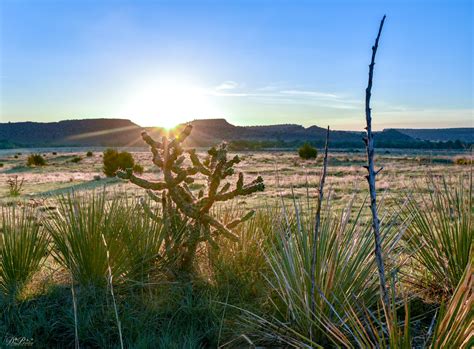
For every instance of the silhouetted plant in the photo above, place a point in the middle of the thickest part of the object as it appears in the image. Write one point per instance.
(89, 154)
(76, 159)
(114, 160)
(178, 200)
(35, 160)
(307, 151)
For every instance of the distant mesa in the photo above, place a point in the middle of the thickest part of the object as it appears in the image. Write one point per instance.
(122, 133)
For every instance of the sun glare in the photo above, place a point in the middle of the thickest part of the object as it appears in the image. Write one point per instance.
(167, 104)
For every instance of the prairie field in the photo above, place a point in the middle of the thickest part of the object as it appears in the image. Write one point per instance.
(93, 261)
(286, 175)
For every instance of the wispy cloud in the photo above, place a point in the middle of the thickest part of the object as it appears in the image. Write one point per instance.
(282, 93)
(304, 93)
(227, 85)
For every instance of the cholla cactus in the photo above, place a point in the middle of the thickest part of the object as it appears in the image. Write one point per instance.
(169, 156)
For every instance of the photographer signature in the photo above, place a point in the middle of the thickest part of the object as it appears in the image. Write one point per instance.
(14, 341)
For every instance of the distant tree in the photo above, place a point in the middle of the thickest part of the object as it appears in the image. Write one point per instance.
(307, 151)
(89, 154)
(114, 160)
(35, 160)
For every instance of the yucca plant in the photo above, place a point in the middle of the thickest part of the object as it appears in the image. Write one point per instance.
(440, 236)
(87, 228)
(346, 272)
(455, 325)
(23, 248)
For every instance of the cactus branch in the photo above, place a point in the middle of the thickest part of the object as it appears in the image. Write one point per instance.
(169, 156)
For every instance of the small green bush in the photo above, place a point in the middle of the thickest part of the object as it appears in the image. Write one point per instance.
(138, 169)
(463, 161)
(76, 159)
(15, 156)
(1, 164)
(307, 151)
(114, 161)
(89, 154)
(35, 160)
(55, 153)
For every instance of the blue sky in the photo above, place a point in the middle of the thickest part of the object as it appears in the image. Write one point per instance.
(251, 62)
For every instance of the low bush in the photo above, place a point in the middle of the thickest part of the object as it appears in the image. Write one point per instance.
(35, 160)
(138, 169)
(307, 151)
(89, 154)
(114, 161)
(463, 161)
(76, 159)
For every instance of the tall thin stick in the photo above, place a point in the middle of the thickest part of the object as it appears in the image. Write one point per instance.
(316, 228)
(369, 143)
(74, 307)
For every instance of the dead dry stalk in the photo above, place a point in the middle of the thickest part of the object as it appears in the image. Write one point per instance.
(74, 306)
(369, 143)
(316, 227)
(109, 281)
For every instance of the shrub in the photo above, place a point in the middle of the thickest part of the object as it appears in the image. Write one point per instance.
(307, 151)
(89, 154)
(462, 161)
(114, 160)
(138, 169)
(23, 246)
(55, 153)
(35, 160)
(76, 159)
(1, 164)
(15, 156)
(15, 186)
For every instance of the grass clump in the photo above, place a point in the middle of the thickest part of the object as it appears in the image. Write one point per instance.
(15, 186)
(440, 236)
(23, 247)
(76, 159)
(138, 169)
(90, 233)
(307, 151)
(345, 270)
(35, 160)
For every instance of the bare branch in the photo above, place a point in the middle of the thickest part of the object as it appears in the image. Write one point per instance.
(317, 225)
(369, 141)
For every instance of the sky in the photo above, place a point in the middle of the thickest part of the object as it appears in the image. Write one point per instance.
(159, 63)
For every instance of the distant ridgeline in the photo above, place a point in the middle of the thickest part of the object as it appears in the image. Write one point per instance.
(124, 133)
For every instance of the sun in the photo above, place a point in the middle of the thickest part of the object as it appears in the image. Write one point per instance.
(168, 103)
